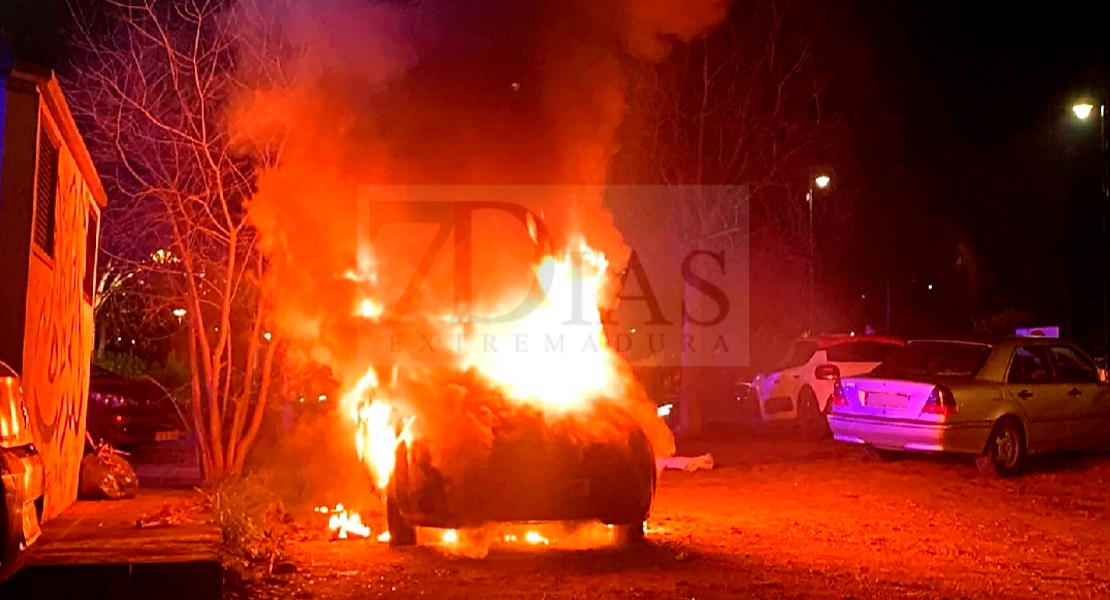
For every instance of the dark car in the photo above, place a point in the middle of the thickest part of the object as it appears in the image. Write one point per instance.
(21, 470)
(532, 473)
(130, 414)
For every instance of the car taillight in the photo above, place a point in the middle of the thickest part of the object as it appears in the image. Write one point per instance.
(838, 398)
(940, 402)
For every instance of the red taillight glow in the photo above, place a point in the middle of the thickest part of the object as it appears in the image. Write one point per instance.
(940, 402)
(838, 398)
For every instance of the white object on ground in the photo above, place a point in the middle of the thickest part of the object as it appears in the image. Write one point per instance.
(686, 463)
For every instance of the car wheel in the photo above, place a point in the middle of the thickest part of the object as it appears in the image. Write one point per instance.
(1005, 452)
(881, 455)
(400, 532)
(811, 420)
(751, 415)
(631, 535)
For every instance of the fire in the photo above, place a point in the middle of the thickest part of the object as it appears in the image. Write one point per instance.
(343, 523)
(566, 335)
(559, 357)
(534, 538)
(368, 309)
(378, 437)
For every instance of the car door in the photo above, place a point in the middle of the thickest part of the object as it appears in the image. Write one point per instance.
(1031, 384)
(1083, 397)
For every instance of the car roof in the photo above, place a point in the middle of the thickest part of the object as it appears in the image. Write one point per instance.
(833, 339)
(1002, 348)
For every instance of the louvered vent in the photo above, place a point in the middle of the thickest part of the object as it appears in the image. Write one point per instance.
(46, 192)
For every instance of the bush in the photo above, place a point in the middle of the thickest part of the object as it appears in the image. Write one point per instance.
(124, 365)
(251, 518)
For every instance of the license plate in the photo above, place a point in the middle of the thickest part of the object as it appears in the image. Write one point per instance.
(881, 400)
(580, 488)
(167, 436)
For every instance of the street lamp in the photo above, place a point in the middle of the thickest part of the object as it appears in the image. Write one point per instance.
(821, 181)
(1083, 110)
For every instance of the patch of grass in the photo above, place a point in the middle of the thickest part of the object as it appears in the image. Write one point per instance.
(251, 517)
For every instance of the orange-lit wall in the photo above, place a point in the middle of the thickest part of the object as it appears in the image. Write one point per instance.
(47, 316)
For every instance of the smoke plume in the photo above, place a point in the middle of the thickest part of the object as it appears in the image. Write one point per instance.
(485, 97)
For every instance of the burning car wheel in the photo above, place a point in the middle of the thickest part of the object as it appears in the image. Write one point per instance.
(630, 535)
(400, 532)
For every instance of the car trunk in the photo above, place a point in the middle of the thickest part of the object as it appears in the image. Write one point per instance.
(891, 398)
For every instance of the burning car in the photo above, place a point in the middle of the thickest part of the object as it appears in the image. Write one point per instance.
(512, 463)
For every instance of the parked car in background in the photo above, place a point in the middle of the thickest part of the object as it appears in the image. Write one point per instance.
(130, 414)
(1000, 401)
(800, 386)
(21, 470)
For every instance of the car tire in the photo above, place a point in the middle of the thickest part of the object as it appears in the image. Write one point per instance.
(880, 454)
(631, 535)
(750, 413)
(1005, 453)
(400, 532)
(811, 421)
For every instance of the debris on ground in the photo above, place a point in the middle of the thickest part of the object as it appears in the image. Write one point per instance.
(687, 463)
(106, 475)
(169, 515)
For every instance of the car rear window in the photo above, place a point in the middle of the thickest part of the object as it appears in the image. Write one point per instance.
(934, 359)
(865, 352)
(798, 354)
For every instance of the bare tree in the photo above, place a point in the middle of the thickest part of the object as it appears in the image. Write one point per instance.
(738, 124)
(150, 82)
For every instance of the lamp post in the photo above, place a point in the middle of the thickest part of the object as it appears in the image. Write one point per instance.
(821, 181)
(1083, 111)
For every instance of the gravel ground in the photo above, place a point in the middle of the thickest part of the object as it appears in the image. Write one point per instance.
(783, 518)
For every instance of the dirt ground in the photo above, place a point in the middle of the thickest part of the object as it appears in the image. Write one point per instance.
(782, 518)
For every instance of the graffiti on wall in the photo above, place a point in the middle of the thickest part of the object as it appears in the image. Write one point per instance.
(58, 347)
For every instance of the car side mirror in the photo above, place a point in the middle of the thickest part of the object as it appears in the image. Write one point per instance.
(827, 372)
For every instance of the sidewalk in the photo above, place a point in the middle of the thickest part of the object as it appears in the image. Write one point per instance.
(98, 550)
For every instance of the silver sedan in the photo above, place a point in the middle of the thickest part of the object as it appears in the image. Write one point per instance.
(1001, 401)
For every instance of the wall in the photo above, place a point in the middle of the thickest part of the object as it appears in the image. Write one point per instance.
(44, 307)
(59, 334)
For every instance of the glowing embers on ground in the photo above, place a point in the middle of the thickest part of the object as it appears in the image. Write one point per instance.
(478, 541)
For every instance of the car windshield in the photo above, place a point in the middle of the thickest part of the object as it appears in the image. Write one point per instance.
(934, 359)
(798, 354)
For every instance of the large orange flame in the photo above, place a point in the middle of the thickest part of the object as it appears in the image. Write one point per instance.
(555, 358)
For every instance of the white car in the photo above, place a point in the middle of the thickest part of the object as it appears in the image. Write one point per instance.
(800, 386)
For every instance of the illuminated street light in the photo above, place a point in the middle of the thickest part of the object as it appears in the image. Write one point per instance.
(179, 312)
(1083, 110)
(822, 182)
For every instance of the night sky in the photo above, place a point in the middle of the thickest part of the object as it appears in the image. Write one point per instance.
(993, 186)
(999, 199)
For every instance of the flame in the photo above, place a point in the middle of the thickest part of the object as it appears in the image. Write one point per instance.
(369, 309)
(378, 435)
(534, 538)
(559, 358)
(343, 523)
(450, 536)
